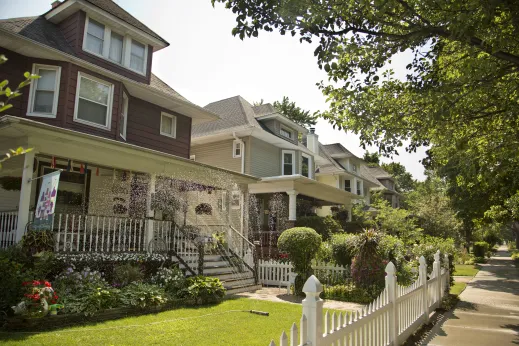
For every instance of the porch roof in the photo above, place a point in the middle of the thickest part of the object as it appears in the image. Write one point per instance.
(304, 186)
(82, 147)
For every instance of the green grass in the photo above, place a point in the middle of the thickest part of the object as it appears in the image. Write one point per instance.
(208, 325)
(465, 270)
(458, 287)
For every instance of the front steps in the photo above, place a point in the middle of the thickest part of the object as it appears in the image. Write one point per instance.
(233, 280)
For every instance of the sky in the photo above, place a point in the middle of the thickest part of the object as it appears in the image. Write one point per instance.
(205, 63)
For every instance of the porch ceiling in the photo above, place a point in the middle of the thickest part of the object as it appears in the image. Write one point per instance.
(94, 150)
(304, 186)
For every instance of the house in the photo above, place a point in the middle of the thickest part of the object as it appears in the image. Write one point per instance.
(259, 141)
(120, 134)
(387, 185)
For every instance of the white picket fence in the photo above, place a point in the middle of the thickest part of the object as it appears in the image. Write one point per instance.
(275, 273)
(388, 320)
(8, 222)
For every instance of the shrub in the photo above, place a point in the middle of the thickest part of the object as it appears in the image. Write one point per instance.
(15, 268)
(90, 300)
(392, 249)
(301, 244)
(350, 293)
(428, 247)
(204, 290)
(367, 268)
(343, 248)
(325, 253)
(325, 226)
(71, 281)
(515, 258)
(143, 295)
(480, 248)
(125, 274)
(171, 279)
(480, 260)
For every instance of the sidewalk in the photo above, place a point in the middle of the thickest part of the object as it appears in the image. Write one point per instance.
(488, 311)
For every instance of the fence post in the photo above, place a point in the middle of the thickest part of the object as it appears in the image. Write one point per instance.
(393, 312)
(422, 272)
(438, 272)
(313, 310)
(447, 282)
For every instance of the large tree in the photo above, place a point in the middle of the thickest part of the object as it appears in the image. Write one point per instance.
(460, 93)
(295, 113)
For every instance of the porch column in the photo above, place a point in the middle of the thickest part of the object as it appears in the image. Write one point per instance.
(149, 212)
(25, 195)
(292, 206)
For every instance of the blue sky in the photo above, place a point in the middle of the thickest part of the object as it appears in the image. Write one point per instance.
(205, 63)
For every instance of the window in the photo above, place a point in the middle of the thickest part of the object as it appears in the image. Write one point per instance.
(168, 125)
(288, 165)
(124, 117)
(285, 132)
(95, 36)
(123, 50)
(235, 200)
(347, 185)
(192, 157)
(236, 149)
(43, 95)
(359, 188)
(137, 56)
(116, 48)
(306, 166)
(354, 167)
(222, 202)
(93, 101)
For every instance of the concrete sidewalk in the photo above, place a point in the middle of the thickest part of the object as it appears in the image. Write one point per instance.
(488, 311)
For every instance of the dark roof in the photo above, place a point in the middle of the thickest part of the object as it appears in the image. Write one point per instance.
(41, 30)
(337, 150)
(38, 29)
(115, 10)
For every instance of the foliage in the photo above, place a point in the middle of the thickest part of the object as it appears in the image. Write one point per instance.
(171, 279)
(456, 290)
(343, 248)
(11, 183)
(480, 248)
(480, 260)
(70, 281)
(397, 222)
(372, 159)
(459, 95)
(392, 249)
(404, 179)
(515, 258)
(125, 274)
(15, 268)
(90, 300)
(37, 241)
(204, 209)
(350, 293)
(204, 290)
(428, 247)
(143, 295)
(342, 215)
(363, 217)
(325, 226)
(295, 113)
(367, 267)
(301, 244)
(431, 205)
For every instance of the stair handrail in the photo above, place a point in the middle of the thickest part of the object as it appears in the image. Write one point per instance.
(252, 247)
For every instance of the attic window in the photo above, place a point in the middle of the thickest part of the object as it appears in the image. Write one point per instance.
(354, 167)
(122, 50)
(286, 133)
(236, 149)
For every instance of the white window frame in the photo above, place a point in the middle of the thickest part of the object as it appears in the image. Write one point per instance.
(235, 145)
(192, 157)
(360, 188)
(233, 196)
(81, 75)
(354, 167)
(173, 124)
(125, 105)
(32, 92)
(310, 170)
(127, 46)
(286, 129)
(293, 153)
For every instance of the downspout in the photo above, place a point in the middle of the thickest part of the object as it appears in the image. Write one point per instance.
(242, 143)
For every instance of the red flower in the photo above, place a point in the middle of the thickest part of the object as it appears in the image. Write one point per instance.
(36, 296)
(26, 283)
(36, 283)
(47, 284)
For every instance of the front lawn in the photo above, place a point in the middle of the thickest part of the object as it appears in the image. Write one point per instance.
(457, 288)
(465, 270)
(208, 325)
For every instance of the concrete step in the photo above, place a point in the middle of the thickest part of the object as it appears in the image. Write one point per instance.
(245, 288)
(211, 271)
(211, 264)
(229, 284)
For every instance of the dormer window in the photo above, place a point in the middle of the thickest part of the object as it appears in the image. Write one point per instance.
(119, 49)
(354, 167)
(286, 133)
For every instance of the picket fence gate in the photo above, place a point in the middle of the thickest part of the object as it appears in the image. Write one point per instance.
(389, 320)
(275, 273)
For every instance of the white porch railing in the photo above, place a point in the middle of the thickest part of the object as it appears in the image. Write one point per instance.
(388, 320)
(278, 274)
(8, 221)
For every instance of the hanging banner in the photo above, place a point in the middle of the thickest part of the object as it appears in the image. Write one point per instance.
(46, 201)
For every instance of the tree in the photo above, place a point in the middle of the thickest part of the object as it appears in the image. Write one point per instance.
(372, 159)
(459, 96)
(295, 113)
(404, 179)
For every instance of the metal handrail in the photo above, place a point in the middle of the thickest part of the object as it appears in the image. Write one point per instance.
(241, 235)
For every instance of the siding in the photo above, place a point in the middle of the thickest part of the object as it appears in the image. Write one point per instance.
(218, 154)
(265, 159)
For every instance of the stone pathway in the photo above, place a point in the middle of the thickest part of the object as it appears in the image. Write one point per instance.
(488, 311)
(275, 294)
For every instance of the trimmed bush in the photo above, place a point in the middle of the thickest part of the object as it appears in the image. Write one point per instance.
(480, 248)
(325, 226)
(343, 248)
(302, 245)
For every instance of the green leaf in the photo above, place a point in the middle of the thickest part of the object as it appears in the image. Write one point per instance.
(6, 107)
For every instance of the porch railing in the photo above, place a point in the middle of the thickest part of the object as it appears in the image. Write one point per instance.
(8, 221)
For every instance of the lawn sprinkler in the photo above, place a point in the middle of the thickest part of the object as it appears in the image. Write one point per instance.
(262, 313)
